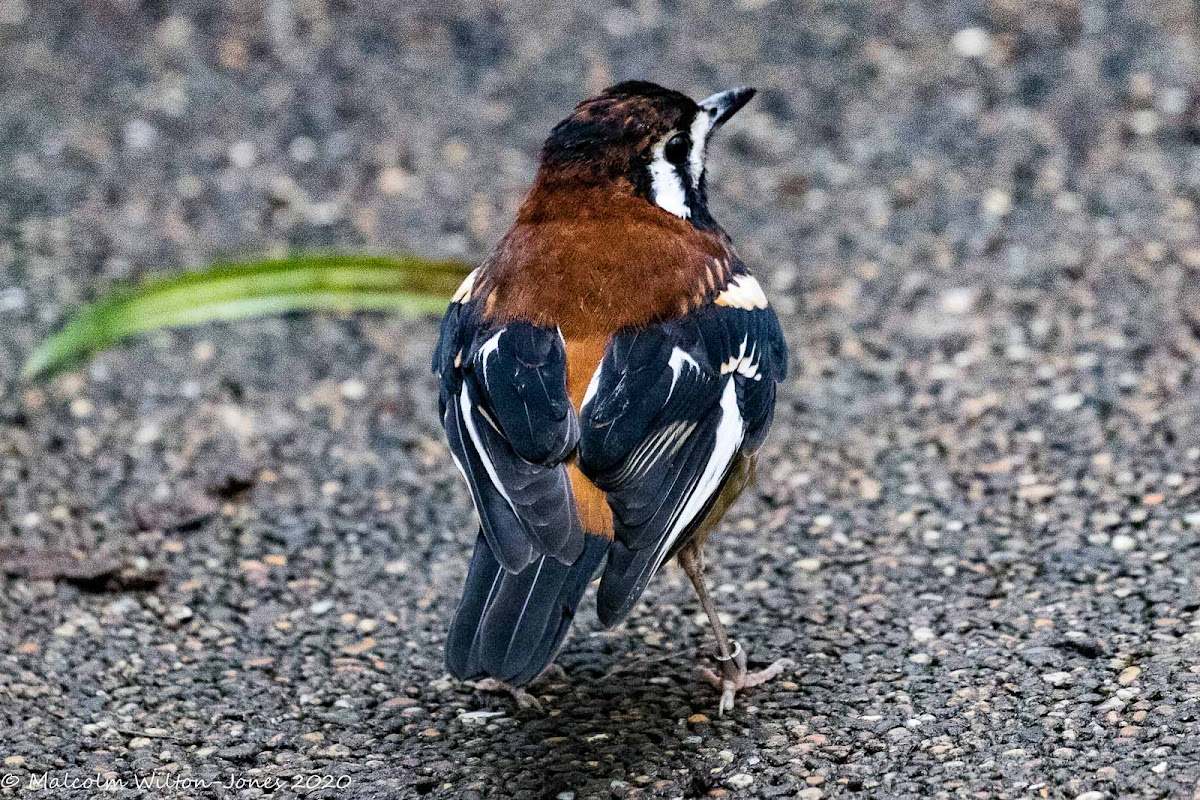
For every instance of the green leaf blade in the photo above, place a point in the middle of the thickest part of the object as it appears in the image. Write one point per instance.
(236, 291)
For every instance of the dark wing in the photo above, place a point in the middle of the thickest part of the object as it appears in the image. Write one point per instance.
(510, 425)
(671, 410)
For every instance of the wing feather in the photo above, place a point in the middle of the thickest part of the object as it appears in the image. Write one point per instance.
(673, 409)
(511, 427)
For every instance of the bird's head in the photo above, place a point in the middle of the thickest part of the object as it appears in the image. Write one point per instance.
(639, 135)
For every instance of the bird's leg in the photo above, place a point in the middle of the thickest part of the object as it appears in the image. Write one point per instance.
(731, 658)
(551, 674)
(525, 701)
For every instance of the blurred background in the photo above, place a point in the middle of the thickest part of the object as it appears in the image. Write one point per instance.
(234, 549)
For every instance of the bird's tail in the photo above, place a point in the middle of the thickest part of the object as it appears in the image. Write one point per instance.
(509, 625)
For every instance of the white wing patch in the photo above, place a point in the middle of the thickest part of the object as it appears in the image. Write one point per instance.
(488, 349)
(744, 364)
(480, 450)
(663, 444)
(485, 352)
(730, 433)
(743, 292)
(678, 358)
(593, 385)
(463, 293)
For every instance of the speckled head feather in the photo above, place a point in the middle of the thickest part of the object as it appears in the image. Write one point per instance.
(610, 136)
(638, 136)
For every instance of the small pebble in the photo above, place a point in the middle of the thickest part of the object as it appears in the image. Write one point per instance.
(1129, 675)
(360, 647)
(1144, 122)
(302, 149)
(1067, 402)
(972, 42)
(997, 203)
(81, 407)
(1123, 543)
(177, 615)
(12, 299)
(320, 607)
(958, 300)
(139, 135)
(353, 389)
(394, 181)
(740, 780)
(242, 154)
(1058, 678)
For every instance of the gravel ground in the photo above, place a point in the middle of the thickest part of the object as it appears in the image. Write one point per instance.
(233, 552)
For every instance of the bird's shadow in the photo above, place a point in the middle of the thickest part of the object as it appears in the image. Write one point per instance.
(613, 715)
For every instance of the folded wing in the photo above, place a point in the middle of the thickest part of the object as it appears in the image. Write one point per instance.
(510, 426)
(671, 410)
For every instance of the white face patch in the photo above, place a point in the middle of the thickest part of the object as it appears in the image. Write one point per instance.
(666, 183)
(701, 127)
(667, 180)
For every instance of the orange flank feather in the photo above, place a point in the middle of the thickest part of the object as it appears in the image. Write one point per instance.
(594, 514)
(584, 354)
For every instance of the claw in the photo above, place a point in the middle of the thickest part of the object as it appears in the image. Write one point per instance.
(734, 676)
(726, 703)
(550, 675)
(525, 701)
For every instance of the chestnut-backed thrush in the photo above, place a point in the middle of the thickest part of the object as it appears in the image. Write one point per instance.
(608, 376)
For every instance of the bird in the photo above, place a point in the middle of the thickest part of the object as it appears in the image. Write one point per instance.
(607, 378)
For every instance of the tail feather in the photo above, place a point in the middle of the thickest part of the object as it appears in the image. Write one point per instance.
(510, 625)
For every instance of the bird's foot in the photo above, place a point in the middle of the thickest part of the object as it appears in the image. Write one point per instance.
(525, 701)
(550, 675)
(734, 676)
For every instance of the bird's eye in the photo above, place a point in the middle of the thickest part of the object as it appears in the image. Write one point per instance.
(676, 149)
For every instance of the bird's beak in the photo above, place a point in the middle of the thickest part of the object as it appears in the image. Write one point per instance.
(724, 105)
